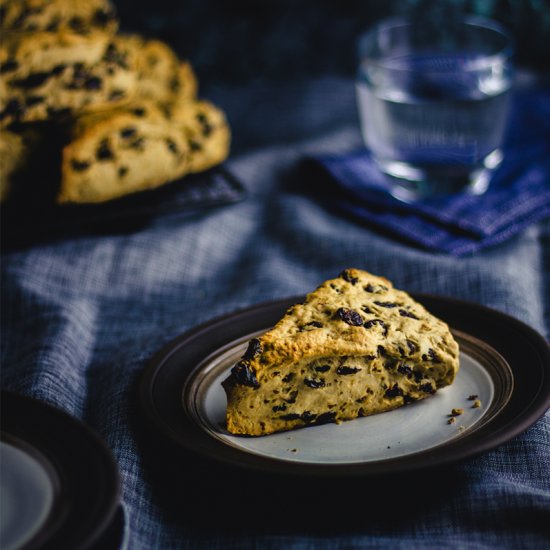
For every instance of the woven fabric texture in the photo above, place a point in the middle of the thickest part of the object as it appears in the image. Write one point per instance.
(82, 316)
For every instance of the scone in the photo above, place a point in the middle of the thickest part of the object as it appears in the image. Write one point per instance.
(356, 346)
(207, 132)
(139, 146)
(79, 16)
(45, 75)
(115, 153)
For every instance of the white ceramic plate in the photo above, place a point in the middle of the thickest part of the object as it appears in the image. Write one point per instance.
(503, 361)
(417, 427)
(28, 487)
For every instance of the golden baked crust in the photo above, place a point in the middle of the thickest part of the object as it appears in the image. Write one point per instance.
(139, 146)
(46, 75)
(125, 105)
(355, 347)
(12, 156)
(119, 152)
(207, 132)
(162, 77)
(79, 16)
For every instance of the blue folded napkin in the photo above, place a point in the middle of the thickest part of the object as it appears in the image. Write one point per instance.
(518, 194)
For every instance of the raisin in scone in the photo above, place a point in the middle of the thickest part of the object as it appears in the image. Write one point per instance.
(79, 16)
(124, 151)
(355, 347)
(45, 75)
(207, 132)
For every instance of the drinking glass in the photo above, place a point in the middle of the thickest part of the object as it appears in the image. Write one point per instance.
(433, 102)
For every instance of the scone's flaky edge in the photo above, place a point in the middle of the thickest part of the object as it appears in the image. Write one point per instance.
(393, 332)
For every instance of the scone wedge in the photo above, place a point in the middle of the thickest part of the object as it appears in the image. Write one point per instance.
(139, 147)
(356, 346)
(115, 153)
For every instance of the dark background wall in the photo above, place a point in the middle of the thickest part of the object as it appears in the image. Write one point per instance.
(242, 40)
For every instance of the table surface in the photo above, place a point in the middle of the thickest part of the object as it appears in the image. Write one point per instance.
(82, 316)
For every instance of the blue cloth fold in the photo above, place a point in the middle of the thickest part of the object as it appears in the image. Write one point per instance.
(518, 194)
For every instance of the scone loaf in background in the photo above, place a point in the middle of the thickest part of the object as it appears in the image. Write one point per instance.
(356, 346)
(126, 105)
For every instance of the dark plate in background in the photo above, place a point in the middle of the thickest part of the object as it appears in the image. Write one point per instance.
(85, 512)
(512, 344)
(31, 215)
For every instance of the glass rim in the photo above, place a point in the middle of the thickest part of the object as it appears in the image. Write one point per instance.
(487, 60)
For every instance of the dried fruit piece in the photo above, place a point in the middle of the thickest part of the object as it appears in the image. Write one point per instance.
(244, 375)
(79, 165)
(350, 316)
(373, 322)
(254, 348)
(322, 368)
(385, 304)
(348, 276)
(345, 370)
(407, 313)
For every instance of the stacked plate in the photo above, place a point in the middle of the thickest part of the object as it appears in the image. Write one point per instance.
(59, 483)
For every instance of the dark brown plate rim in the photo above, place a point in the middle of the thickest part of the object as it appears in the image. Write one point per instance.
(525, 351)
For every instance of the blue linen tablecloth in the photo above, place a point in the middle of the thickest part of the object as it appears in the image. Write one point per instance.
(82, 316)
